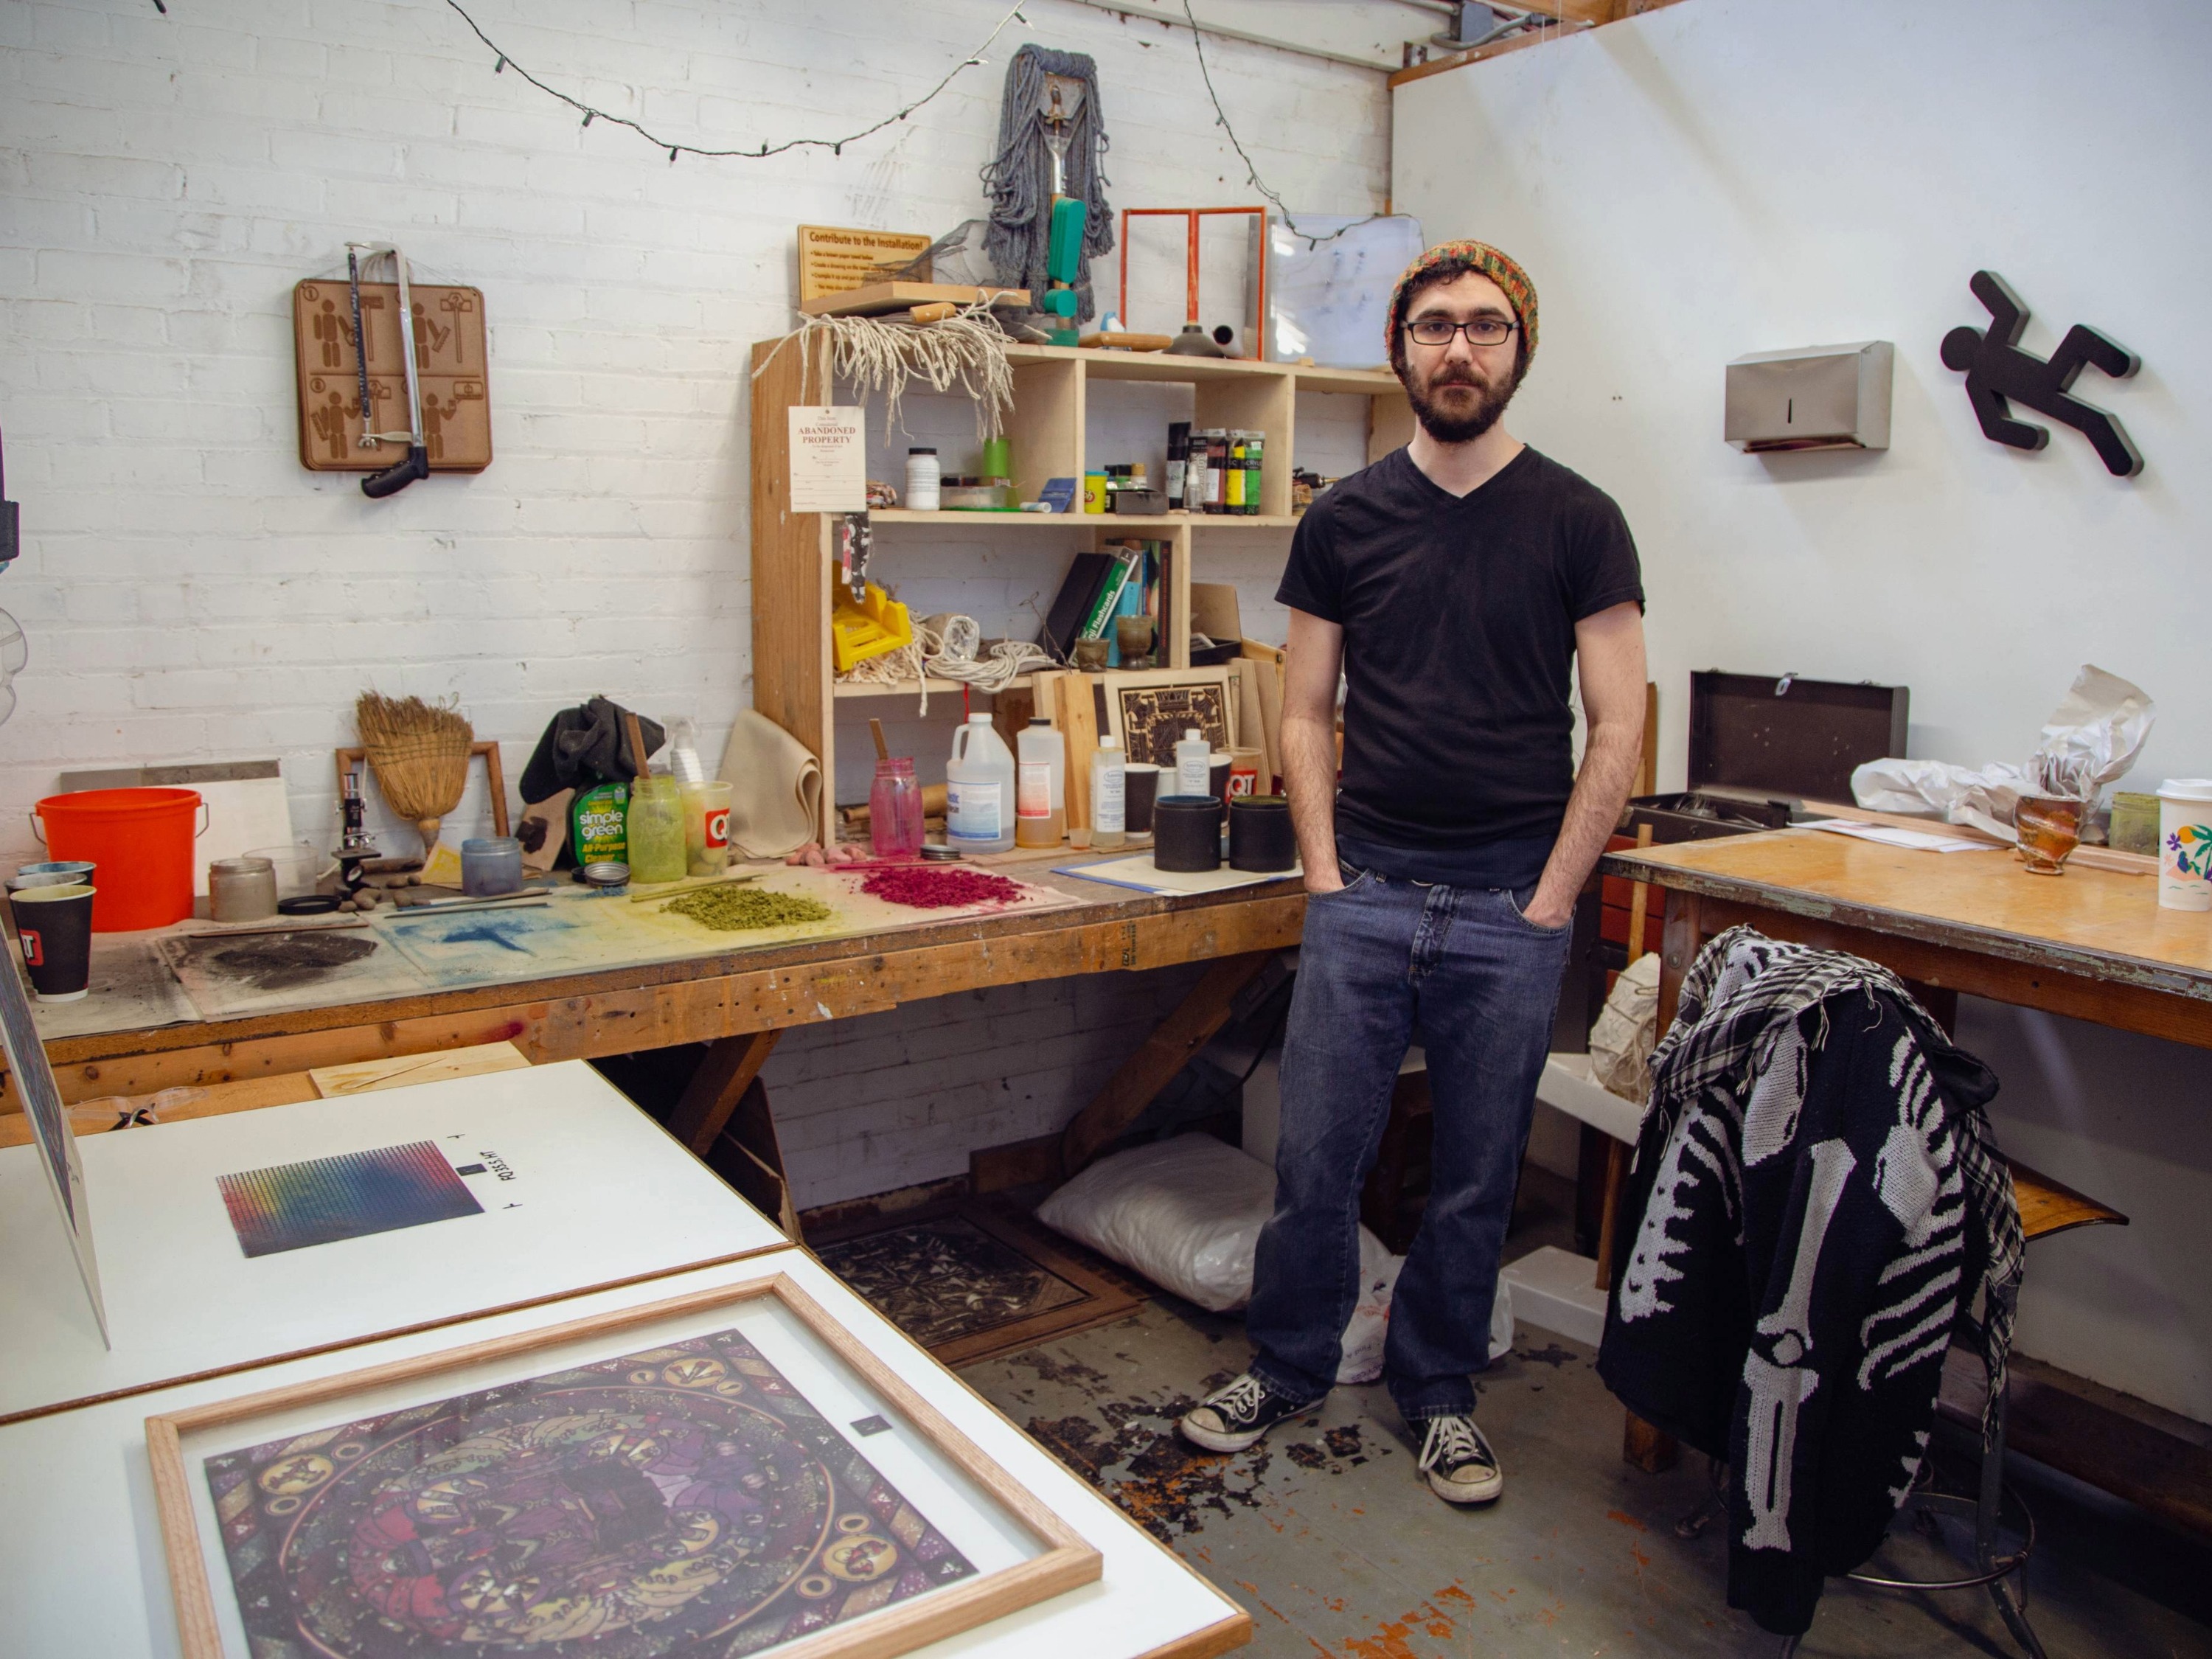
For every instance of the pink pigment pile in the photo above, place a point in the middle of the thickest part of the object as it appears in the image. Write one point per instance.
(927, 888)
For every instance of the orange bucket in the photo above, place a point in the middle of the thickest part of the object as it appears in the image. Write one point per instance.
(141, 839)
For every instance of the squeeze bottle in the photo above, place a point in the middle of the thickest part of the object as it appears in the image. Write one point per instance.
(979, 790)
(1193, 763)
(1109, 784)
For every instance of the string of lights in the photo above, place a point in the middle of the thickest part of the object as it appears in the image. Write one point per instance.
(504, 61)
(1251, 172)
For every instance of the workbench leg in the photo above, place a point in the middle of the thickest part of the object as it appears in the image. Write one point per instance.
(1144, 1073)
(723, 1077)
(1651, 1450)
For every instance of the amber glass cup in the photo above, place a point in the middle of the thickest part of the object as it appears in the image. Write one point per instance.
(2049, 829)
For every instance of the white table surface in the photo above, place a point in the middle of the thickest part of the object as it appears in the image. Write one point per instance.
(600, 1194)
(81, 1542)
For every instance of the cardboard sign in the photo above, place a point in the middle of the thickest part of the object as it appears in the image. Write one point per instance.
(835, 260)
(829, 471)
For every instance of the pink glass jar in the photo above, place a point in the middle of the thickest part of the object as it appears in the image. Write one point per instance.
(894, 810)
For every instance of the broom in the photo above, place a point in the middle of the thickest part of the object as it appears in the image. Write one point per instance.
(419, 752)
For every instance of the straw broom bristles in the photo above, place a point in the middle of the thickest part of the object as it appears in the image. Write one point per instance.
(419, 753)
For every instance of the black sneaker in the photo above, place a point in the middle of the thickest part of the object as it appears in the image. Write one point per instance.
(1459, 1466)
(1236, 1416)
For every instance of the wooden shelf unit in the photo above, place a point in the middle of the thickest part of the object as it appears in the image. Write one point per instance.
(794, 553)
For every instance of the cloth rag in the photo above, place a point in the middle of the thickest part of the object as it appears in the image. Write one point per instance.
(584, 746)
(775, 788)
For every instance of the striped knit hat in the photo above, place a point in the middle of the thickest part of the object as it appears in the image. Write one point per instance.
(1520, 292)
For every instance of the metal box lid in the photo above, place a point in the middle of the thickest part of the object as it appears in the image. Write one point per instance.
(1813, 398)
(1790, 736)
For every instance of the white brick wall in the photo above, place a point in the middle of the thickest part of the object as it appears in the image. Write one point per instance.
(190, 591)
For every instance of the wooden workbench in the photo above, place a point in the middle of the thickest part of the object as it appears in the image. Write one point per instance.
(2092, 943)
(742, 995)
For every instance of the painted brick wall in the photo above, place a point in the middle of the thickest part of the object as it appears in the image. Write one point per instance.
(189, 591)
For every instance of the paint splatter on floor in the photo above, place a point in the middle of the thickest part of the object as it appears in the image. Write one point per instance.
(1326, 1534)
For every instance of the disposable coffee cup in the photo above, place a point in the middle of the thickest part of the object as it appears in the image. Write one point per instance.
(1219, 765)
(1140, 785)
(2184, 844)
(53, 929)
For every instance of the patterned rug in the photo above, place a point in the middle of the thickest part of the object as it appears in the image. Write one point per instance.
(970, 1283)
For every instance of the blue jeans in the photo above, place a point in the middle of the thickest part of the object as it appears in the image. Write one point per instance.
(1384, 964)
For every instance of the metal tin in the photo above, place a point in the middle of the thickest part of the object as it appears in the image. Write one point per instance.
(1186, 832)
(1259, 835)
(607, 877)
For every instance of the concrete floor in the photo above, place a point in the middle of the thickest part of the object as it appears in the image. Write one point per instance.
(1324, 1533)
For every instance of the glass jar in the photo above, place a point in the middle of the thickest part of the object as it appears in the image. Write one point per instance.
(707, 827)
(894, 810)
(656, 829)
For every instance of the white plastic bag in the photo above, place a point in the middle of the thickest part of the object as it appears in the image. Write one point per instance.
(2089, 742)
(1187, 1213)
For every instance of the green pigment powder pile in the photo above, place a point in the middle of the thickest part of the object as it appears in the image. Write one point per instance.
(733, 909)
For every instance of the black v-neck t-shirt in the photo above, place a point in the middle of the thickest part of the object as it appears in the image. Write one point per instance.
(1459, 617)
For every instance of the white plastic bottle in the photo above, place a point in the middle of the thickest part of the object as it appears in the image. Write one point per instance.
(979, 793)
(1193, 763)
(1041, 787)
(1110, 794)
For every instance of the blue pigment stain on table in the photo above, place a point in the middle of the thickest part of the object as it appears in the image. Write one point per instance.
(484, 933)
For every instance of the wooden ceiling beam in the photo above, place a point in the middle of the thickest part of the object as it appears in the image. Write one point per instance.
(1573, 17)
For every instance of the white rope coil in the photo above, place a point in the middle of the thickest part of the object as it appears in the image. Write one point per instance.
(946, 647)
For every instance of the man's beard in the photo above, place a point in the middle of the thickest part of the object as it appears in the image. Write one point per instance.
(1464, 421)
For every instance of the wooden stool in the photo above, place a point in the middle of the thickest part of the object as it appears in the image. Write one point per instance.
(2045, 1208)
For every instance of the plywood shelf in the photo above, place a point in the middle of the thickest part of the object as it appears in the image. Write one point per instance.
(843, 691)
(792, 553)
(1109, 522)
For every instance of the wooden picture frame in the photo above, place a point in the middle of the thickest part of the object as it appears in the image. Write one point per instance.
(1065, 1561)
(352, 759)
(1147, 709)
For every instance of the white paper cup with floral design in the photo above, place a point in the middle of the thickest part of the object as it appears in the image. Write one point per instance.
(2184, 844)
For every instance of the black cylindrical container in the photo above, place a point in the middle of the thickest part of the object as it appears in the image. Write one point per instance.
(1186, 832)
(1260, 837)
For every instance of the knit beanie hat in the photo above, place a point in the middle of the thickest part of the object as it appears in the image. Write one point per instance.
(1520, 292)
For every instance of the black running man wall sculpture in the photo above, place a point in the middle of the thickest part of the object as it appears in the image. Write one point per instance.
(1998, 371)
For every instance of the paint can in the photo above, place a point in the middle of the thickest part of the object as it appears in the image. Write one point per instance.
(1186, 832)
(1259, 835)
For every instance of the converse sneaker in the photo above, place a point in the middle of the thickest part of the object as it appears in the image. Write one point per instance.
(1459, 1466)
(1235, 1417)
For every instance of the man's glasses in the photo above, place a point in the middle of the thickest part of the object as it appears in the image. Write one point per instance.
(1438, 330)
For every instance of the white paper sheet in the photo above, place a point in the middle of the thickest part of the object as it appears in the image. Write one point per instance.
(829, 470)
(1141, 873)
(1891, 834)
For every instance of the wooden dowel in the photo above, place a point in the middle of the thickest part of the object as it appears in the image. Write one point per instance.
(1639, 901)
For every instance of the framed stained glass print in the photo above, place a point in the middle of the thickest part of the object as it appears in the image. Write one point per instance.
(727, 1473)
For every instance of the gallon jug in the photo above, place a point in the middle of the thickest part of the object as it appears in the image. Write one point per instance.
(979, 790)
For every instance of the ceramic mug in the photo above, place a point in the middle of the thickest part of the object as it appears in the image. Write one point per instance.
(2184, 844)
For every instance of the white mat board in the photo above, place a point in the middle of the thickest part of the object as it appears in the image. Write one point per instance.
(600, 1193)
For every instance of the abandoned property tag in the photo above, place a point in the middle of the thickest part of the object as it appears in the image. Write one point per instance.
(829, 471)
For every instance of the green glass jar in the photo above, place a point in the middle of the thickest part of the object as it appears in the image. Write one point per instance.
(656, 829)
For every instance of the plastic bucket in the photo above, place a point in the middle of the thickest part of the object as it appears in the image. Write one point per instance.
(141, 839)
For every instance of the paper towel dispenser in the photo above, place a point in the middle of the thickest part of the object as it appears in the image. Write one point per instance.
(1814, 398)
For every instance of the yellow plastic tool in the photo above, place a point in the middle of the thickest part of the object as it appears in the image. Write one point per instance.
(877, 625)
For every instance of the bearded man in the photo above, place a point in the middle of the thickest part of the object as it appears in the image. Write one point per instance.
(1455, 584)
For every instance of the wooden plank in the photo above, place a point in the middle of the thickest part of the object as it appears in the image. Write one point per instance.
(725, 1072)
(2048, 1206)
(403, 1071)
(660, 1004)
(1650, 1450)
(1647, 766)
(790, 566)
(749, 1156)
(1079, 729)
(1251, 720)
(1271, 659)
(1204, 1012)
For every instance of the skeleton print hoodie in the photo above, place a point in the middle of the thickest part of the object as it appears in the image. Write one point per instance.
(1817, 1202)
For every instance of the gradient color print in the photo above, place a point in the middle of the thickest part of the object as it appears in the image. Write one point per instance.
(288, 1207)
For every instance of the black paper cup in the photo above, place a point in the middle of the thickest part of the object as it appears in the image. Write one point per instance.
(1140, 786)
(1217, 773)
(53, 929)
